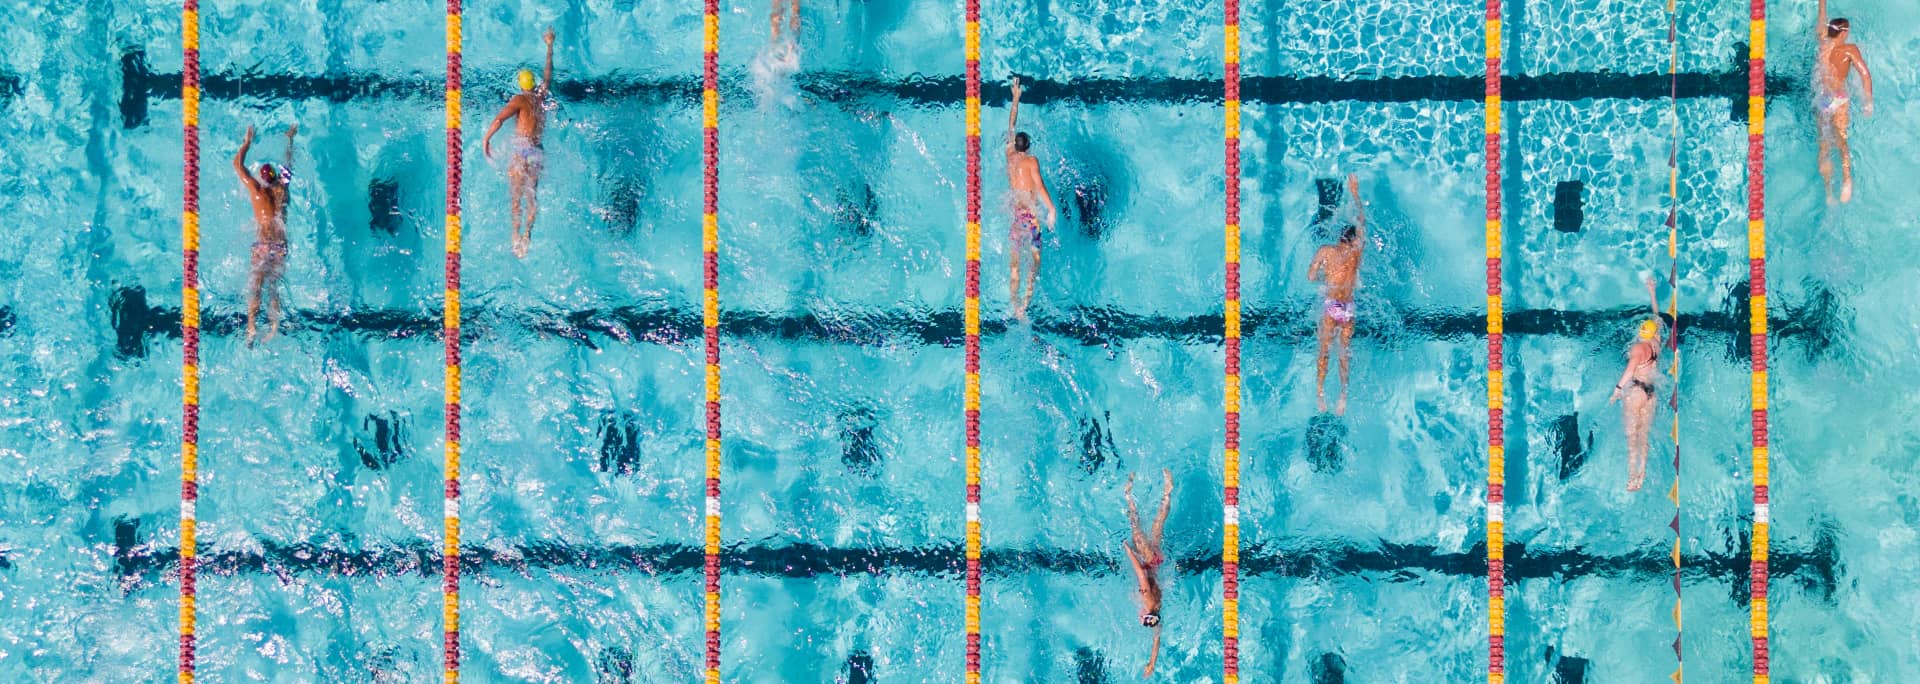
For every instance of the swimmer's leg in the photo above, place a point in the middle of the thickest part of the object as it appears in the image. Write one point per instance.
(1320, 379)
(254, 281)
(273, 308)
(1825, 126)
(1013, 281)
(1346, 357)
(532, 201)
(1637, 413)
(516, 186)
(1842, 120)
(1033, 274)
(1637, 450)
(1133, 518)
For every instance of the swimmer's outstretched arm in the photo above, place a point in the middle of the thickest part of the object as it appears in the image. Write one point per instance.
(240, 162)
(547, 79)
(1155, 655)
(1013, 115)
(1359, 211)
(1820, 24)
(288, 164)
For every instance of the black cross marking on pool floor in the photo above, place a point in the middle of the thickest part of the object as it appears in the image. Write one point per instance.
(140, 84)
(1816, 323)
(1814, 565)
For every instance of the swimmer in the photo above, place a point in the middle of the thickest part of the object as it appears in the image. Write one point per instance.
(1837, 59)
(1029, 191)
(523, 172)
(1339, 265)
(268, 192)
(1637, 387)
(1144, 552)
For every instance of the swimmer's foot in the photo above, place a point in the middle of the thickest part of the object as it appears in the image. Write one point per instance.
(1846, 191)
(252, 332)
(1340, 408)
(1322, 397)
(520, 246)
(1635, 482)
(272, 329)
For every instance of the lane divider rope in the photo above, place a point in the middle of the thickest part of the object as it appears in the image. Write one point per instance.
(1757, 292)
(710, 315)
(1673, 315)
(189, 331)
(1230, 465)
(972, 392)
(450, 338)
(1496, 320)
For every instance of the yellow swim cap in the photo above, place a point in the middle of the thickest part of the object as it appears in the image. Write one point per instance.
(1649, 330)
(525, 79)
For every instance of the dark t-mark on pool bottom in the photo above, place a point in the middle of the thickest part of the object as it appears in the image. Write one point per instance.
(1326, 442)
(382, 440)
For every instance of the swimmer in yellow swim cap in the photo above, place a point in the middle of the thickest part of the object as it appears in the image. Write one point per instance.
(523, 170)
(1636, 387)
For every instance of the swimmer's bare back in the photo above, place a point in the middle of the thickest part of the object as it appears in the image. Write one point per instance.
(269, 202)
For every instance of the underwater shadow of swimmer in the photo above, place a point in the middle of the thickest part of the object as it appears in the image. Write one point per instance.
(1326, 443)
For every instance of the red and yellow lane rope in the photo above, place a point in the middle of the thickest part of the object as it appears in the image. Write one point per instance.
(1757, 272)
(1230, 466)
(972, 397)
(450, 337)
(710, 317)
(1673, 314)
(189, 328)
(1496, 426)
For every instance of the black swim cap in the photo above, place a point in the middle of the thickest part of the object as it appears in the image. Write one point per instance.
(1021, 142)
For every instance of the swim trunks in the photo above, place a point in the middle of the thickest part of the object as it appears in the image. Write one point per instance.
(269, 256)
(1339, 311)
(530, 154)
(1023, 218)
(1831, 103)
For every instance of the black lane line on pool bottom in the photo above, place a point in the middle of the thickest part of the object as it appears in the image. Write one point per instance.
(1815, 566)
(1817, 323)
(139, 84)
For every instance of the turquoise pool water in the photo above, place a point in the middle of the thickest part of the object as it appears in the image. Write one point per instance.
(841, 257)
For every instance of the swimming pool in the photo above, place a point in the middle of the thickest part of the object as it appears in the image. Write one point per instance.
(841, 257)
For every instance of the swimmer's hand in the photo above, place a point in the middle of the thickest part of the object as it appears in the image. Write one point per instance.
(486, 147)
(292, 130)
(1616, 395)
(249, 139)
(1016, 88)
(549, 36)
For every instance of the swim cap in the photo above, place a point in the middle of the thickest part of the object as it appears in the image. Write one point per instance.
(525, 79)
(1649, 330)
